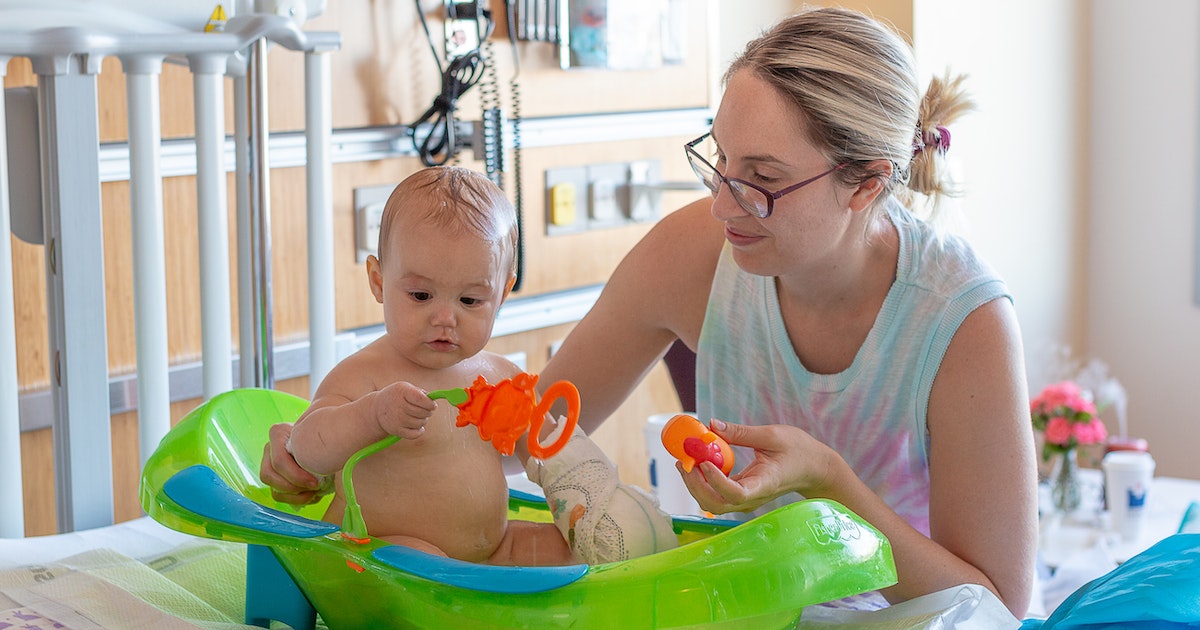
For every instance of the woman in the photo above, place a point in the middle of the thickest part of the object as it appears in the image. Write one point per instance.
(852, 351)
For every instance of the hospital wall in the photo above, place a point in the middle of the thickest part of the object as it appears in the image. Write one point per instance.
(1078, 169)
(383, 76)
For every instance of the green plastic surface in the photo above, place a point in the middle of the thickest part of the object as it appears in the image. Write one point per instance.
(759, 574)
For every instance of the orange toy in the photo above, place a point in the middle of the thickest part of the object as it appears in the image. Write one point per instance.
(504, 411)
(691, 443)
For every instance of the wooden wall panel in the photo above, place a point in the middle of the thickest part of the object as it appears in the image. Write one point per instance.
(383, 75)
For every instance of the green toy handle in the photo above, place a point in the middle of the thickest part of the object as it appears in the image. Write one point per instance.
(456, 396)
(353, 526)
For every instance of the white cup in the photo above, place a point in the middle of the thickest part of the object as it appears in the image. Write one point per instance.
(665, 482)
(1127, 476)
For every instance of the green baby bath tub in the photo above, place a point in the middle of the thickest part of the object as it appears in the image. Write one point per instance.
(203, 480)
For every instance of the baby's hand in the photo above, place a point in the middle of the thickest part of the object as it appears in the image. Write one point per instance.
(402, 409)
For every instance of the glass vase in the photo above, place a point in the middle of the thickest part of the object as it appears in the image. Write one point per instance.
(1065, 489)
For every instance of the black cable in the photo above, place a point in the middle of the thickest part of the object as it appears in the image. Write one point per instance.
(491, 121)
(515, 94)
(440, 143)
(428, 35)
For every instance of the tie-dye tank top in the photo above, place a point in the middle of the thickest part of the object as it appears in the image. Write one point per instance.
(874, 412)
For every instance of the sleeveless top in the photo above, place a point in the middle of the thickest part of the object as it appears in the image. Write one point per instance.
(873, 413)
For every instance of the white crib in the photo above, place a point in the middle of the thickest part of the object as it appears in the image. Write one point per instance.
(66, 40)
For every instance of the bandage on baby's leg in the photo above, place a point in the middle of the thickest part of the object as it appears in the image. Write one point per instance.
(602, 519)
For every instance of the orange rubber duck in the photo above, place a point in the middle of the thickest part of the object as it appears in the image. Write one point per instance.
(691, 443)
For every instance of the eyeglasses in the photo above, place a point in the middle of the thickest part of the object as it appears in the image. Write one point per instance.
(751, 197)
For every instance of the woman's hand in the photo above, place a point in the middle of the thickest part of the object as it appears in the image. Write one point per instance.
(786, 459)
(289, 482)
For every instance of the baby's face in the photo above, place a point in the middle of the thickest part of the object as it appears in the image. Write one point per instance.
(441, 292)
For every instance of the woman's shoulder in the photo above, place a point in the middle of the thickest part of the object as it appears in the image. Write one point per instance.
(685, 243)
(941, 261)
(671, 269)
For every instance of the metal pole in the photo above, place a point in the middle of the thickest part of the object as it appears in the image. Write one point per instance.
(260, 217)
(322, 324)
(149, 253)
(212, 211)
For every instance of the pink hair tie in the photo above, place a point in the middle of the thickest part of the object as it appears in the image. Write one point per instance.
(939, 138)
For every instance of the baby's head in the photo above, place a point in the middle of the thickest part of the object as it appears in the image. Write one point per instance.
(456, 200)
(447, 260)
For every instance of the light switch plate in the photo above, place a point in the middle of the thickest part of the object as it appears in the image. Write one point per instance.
(369, 202)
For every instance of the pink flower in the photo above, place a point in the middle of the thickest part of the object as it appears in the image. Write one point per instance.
(1058, 431)
(1093, 432)
(1064, 394)
(1067, 417)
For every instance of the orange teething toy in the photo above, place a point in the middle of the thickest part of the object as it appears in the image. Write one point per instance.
(691, 443)
(504, 411)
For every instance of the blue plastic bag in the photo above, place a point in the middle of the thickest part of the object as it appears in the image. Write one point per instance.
(1158, 588)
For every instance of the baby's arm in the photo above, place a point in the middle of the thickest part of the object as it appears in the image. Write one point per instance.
(602, 519)
(341, 421)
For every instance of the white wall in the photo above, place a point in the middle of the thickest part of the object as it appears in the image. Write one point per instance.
(1021, 156)
(1141, 318)
(739, 21)
(1079, 171)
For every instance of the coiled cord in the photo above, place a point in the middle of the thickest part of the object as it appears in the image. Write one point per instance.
(440, 143)
(515, 113)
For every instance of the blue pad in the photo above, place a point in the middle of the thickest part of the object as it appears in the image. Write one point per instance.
(478, 577)
(1157, 588)
(199, 490)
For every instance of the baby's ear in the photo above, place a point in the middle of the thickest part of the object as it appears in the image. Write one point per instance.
(375, 278)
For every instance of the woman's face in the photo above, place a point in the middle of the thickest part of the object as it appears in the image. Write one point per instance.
(761, 138)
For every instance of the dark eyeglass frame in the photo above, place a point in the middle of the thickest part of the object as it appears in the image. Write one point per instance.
(735, 184)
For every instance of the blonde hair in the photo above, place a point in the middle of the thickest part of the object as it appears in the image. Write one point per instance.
(854, 82)
(456, 199)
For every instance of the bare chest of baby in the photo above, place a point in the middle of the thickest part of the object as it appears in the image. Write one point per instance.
(446, 488)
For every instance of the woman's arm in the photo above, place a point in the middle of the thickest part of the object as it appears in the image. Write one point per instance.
(983, 505)
(657, 293)
(983, 468)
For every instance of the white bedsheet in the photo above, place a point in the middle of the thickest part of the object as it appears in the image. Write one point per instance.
(140, 539)
(136, 574)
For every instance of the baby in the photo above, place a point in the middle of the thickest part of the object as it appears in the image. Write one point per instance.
(446, 262)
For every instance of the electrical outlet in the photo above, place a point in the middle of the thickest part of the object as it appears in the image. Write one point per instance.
(645, 199)
(369, 203)
(608, 194)
(566, 200)
(603, 195)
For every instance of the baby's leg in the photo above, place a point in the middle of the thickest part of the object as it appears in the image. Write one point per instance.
(602, 519)
(527, 544)
(415, 543)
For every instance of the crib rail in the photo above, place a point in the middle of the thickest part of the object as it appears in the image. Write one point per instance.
(67, 61)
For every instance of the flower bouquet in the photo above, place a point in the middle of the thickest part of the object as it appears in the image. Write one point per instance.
(1067, 418)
